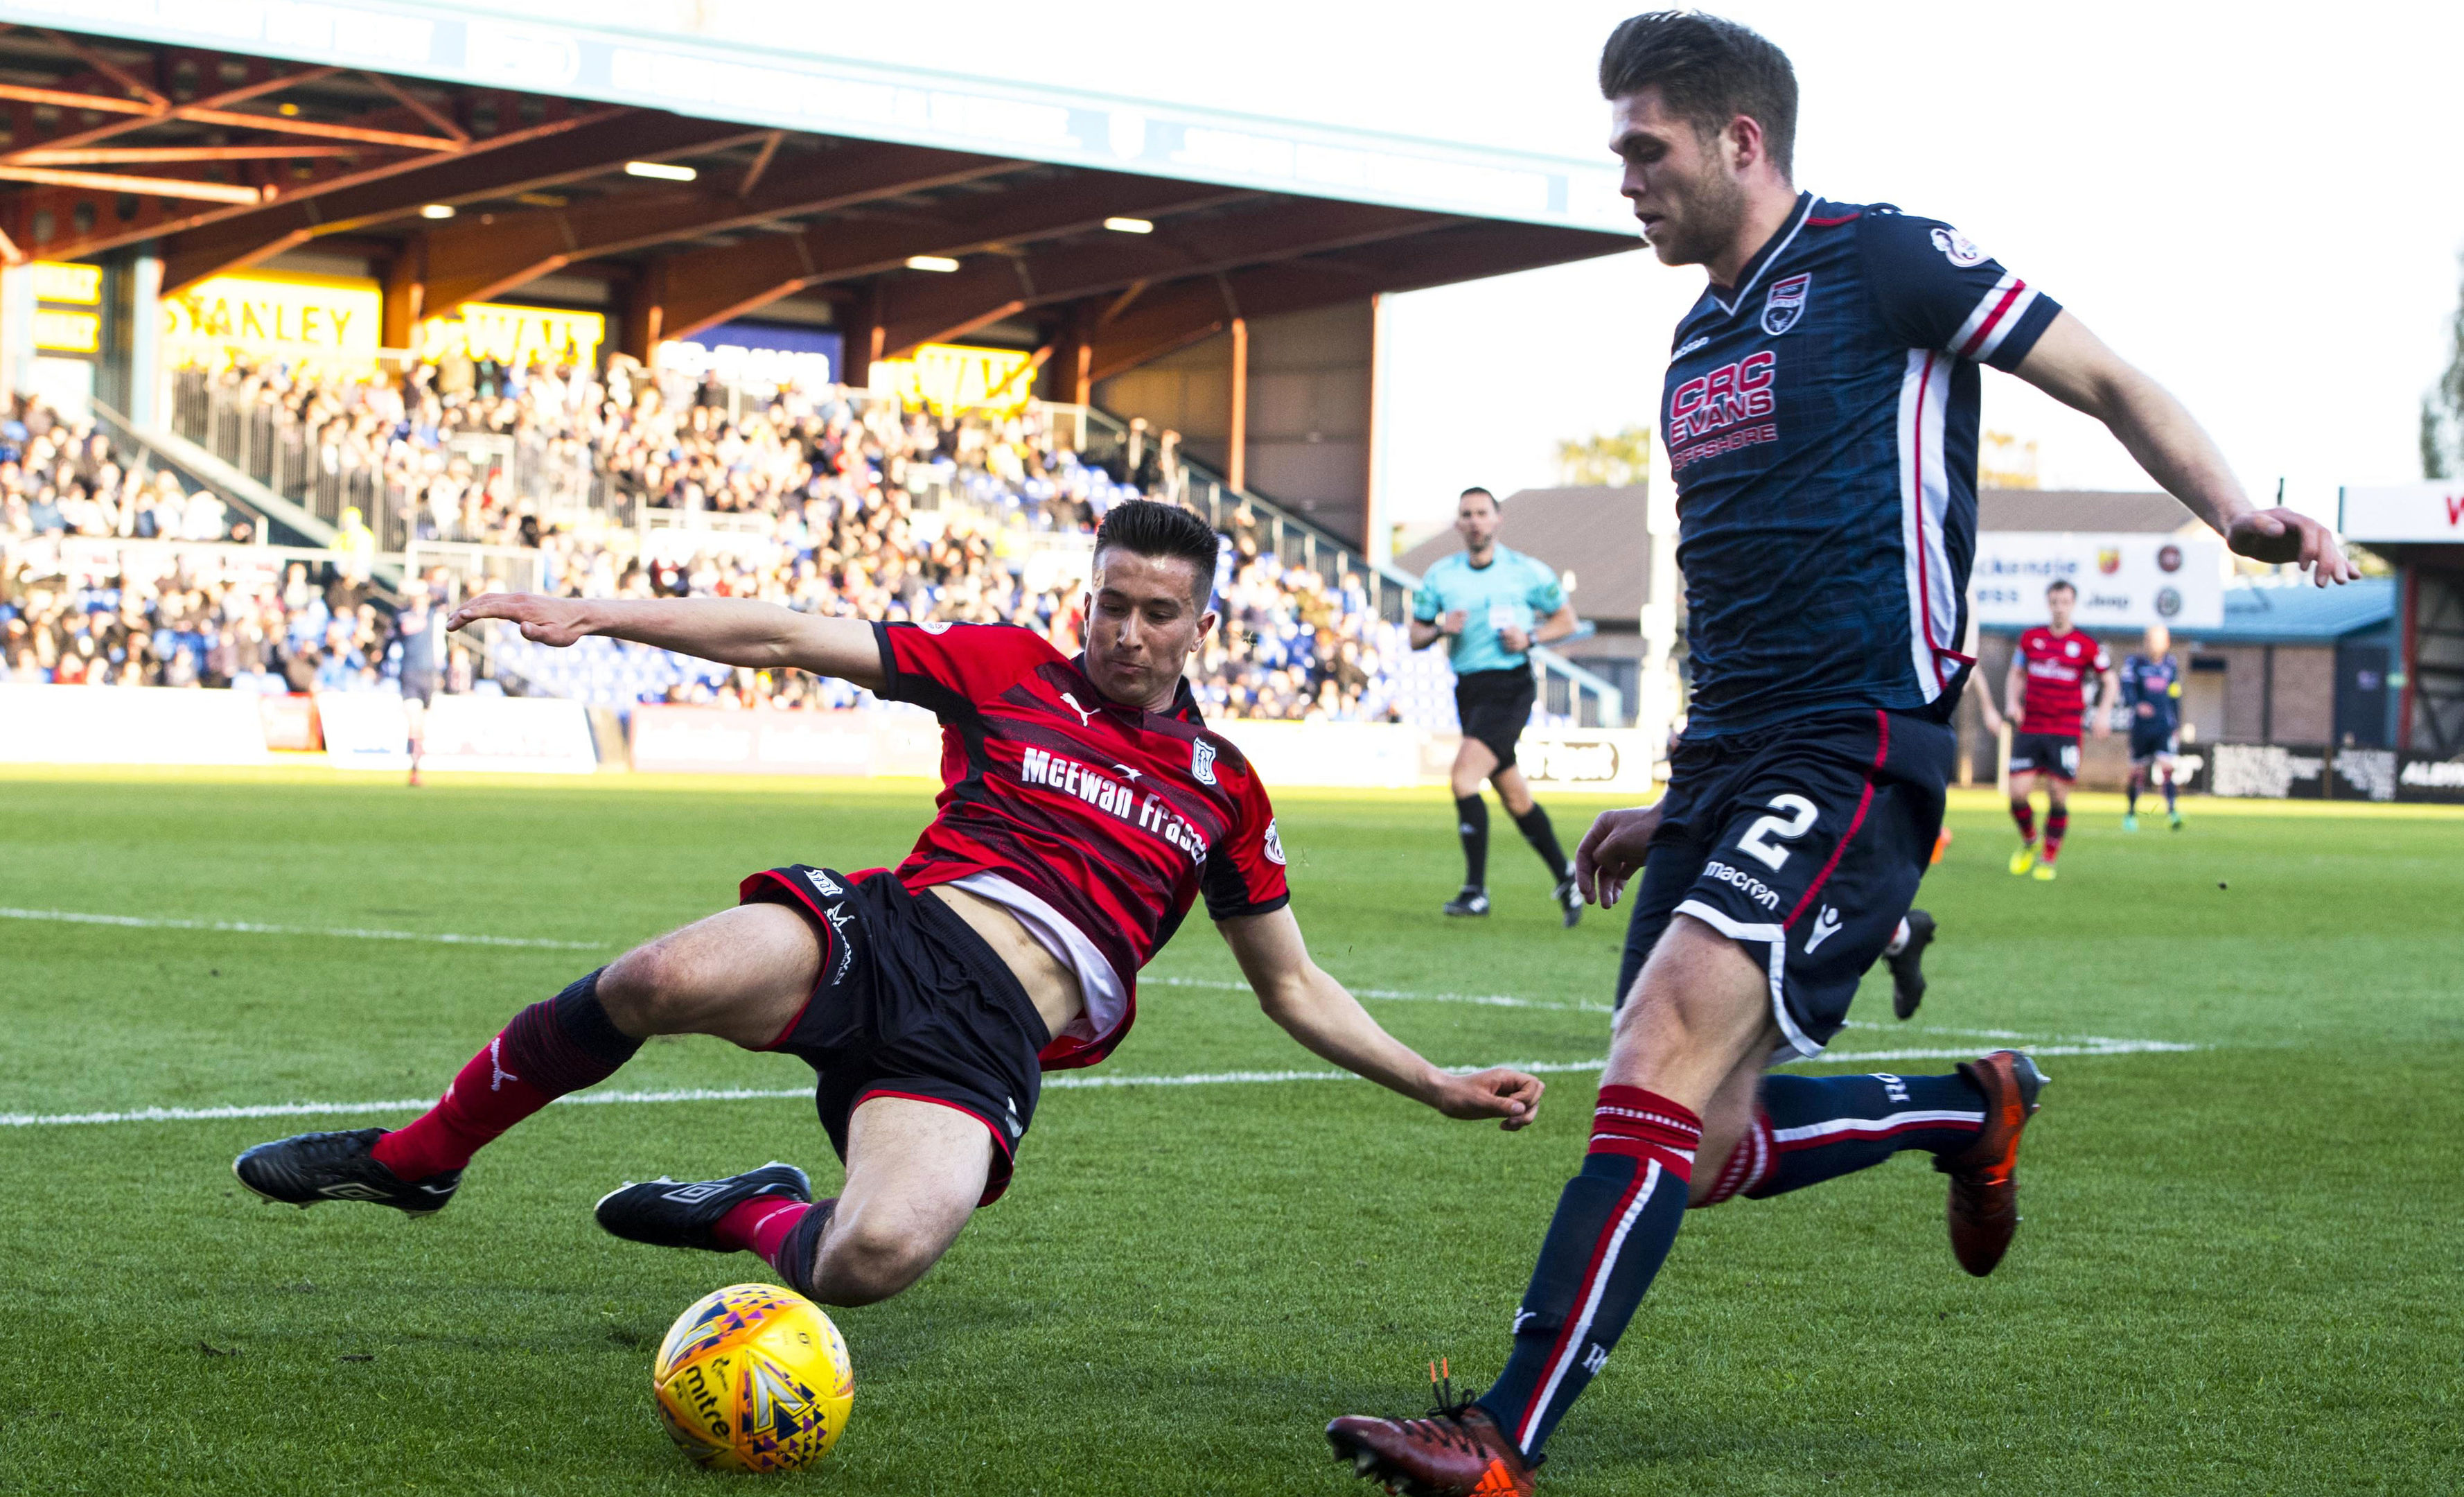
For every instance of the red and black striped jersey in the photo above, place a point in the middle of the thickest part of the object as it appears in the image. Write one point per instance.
(1116, 817)
(2059, 667)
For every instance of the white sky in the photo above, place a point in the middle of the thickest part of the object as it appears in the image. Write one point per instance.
(2259, 204)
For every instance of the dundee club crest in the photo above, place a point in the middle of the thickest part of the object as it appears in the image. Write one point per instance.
(1785, 304)
(1201, 761)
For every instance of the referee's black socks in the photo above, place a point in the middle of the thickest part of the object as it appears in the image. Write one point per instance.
(1471, 822)
(1534, 825)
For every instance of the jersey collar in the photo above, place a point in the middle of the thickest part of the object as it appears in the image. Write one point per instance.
(1184, 701)
(1772, 251)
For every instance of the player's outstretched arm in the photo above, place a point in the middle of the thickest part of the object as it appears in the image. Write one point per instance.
(1314, 1009)
(1613, 852)
(730, 630)
(2072, 366)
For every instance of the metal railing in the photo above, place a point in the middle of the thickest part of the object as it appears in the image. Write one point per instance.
(1568, 690)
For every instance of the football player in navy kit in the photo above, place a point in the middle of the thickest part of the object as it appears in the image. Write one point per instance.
(1821, 422)
(2152, 694)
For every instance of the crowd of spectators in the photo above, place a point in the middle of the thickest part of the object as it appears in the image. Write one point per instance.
(619, 486)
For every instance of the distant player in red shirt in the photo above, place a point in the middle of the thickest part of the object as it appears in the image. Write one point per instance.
(1084, 807)
(2047, 691)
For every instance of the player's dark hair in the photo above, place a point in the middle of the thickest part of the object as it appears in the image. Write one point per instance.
(1708, 71)
(2061, 584)
(1163, 532)
(1493, 501)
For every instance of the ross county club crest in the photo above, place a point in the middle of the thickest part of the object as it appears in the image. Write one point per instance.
(1785, 304)
(1956, 248)
(1201, 761)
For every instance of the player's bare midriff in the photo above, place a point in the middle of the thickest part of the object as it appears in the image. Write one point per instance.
(1051, 987)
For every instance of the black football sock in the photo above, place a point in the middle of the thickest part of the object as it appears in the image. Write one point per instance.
(1534, 825)
(800, 1252)
(2169, 808)
(1819, 1128)
(1614, 1225)
(2132, 808)
(1471, 822)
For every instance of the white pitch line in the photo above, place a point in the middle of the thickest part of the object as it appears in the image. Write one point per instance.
(1061, 1083)
(1393, 995)
(253, 927)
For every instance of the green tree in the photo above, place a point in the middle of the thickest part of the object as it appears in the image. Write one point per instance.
(1616, 459)
(2442, 409)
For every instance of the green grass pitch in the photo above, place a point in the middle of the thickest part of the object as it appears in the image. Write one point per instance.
(2238, 1274)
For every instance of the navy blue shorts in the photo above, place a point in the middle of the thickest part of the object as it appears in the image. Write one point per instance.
(2150, 740)
(912, 1003)
(1802, 843)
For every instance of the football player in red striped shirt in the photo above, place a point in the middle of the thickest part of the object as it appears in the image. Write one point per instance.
(2047, 693)
(1085, 809)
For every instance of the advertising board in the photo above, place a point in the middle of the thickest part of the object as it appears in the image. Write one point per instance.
(516, 335)
(508, 734)
(2124, 581)
(322, 321)
(764, 356)
(2399, 511)
(128, 725)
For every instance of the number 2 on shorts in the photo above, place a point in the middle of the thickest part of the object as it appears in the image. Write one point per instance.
(1799, 820)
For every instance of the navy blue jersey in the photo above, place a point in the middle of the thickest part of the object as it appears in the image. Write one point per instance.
(1822, 433)
(2157, 684)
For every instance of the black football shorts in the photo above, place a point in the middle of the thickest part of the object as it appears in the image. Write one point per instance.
(1802, 843)
(2054, 754)
(1495, 707)
(910, 1003)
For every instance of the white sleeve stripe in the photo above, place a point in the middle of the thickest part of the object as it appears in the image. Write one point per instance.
(1980, 317)
(2002, 325)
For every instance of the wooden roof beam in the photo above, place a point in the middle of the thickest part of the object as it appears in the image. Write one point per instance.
(470, 262)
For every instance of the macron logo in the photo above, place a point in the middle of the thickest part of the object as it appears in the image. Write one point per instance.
(1826, 925)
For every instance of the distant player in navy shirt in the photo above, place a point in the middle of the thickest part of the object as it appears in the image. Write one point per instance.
(2152, 694)
(1821, 414)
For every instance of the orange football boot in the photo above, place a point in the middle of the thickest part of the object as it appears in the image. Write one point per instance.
(1984, 1206)
(1457, 1451)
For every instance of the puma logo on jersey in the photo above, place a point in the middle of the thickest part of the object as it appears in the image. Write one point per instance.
(1084, 715)
(1826, 925)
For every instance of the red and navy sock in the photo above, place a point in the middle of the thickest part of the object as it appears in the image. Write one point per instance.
(1811, 1129)
(2025, 815)
(2057, 824)
(1614, 1226)
(550, 1049)
(785, 1234)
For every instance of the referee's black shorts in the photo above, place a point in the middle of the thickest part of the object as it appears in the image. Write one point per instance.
(1494, 706)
